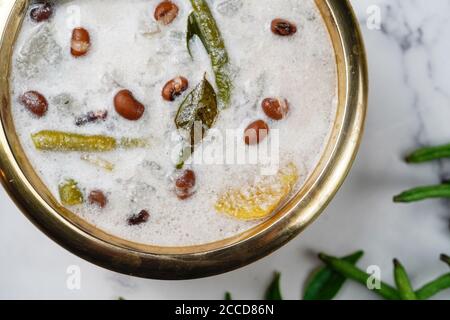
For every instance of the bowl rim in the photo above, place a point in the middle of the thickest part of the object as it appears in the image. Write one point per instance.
(175, 263)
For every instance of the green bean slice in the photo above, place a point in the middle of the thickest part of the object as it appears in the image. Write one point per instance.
(69, 193)
(48, 140)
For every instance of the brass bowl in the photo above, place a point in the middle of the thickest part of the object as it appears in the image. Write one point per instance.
(85, 240)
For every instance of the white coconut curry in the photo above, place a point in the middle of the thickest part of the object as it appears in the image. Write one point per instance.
(174, 122)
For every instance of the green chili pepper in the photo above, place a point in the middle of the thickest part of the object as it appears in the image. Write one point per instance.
(350, 271)
(69, 193)
(422, 193)
(201, 23)
(429, 153)
(403, 283)
(434, 287)
(63, 141)
(325, 283)
(273, 291)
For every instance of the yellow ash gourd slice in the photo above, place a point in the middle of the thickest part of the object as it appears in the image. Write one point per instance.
(257, 201)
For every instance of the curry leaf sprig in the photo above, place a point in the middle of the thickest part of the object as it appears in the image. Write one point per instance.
(202, 24)
(201, 105)
(326, 282)
(426, 192)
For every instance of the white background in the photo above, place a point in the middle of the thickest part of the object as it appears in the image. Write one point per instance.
(409, 106)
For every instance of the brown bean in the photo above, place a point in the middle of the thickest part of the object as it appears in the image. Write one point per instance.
(139, 218)
(98, 197)
(41, 12)
(166, 12)
(81, 41)
(127, 106)
(34, 102)
(283, 27)
(256, 132)
(275, 108)
(184, 185)
(174, 88)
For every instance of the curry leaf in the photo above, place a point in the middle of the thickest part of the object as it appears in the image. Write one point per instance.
(200, 105)
(192, 30)
(197, 114)
(202, 24)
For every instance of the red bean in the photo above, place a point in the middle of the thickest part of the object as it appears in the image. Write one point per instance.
(34, 102)
(166, 12)
(80, 43)
(174, 88)
(41, 12)
(98, 197)
(184, 185)
(127, 106)
(256, 132)
(283, 27)
(275, 108)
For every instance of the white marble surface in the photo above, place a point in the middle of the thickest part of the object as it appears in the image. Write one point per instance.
(409, 106)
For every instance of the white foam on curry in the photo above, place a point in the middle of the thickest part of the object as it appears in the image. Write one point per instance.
(123, 54)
